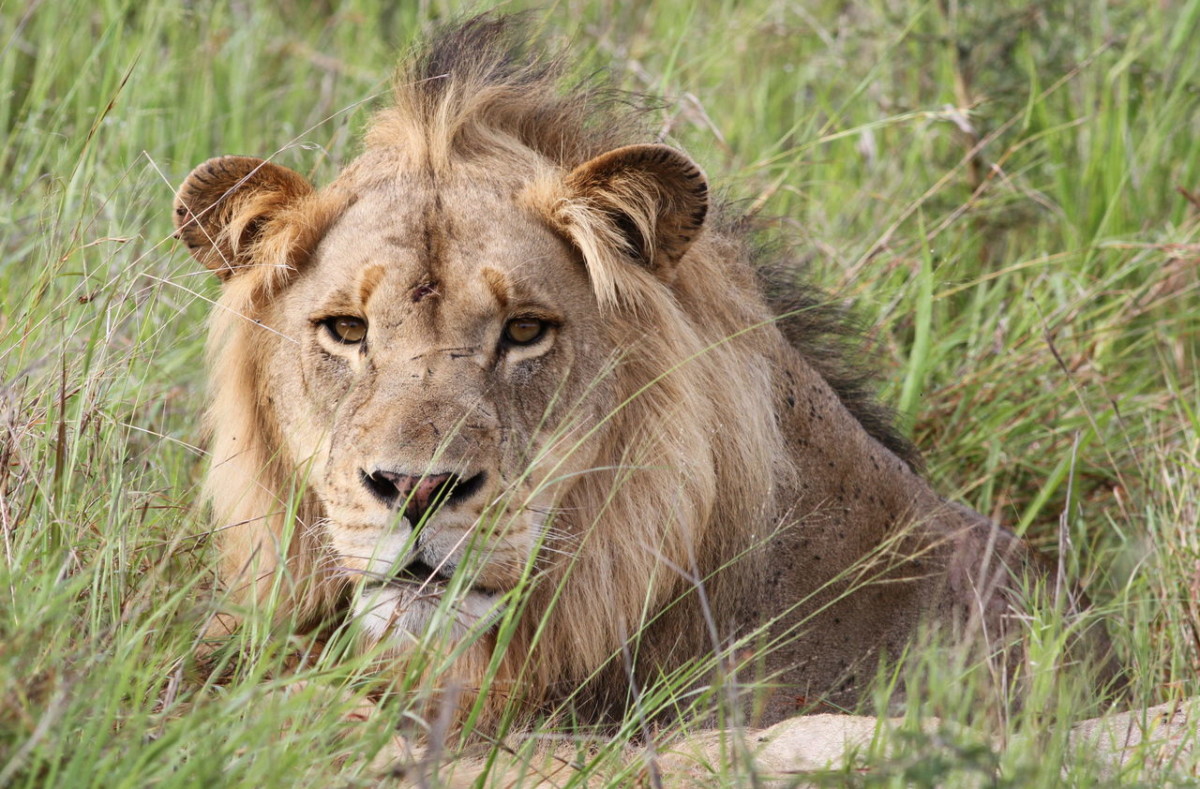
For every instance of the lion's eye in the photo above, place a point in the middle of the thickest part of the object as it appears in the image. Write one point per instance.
(346, 329)
(524, 331)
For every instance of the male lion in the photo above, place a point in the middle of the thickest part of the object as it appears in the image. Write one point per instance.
(509, 385)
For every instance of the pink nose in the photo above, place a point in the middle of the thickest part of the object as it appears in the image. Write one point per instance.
(419, 495)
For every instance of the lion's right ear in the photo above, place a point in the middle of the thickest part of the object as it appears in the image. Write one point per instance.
(223, 205)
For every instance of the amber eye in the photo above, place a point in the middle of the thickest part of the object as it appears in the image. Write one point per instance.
(524, 331)
(346, 329)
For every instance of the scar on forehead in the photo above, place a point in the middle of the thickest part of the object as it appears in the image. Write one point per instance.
(368, 280)
(424, 289)
(497, 283)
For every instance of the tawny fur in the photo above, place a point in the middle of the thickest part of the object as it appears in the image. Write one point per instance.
(671, 480)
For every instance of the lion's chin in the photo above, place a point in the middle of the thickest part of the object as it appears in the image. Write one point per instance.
(403, 613)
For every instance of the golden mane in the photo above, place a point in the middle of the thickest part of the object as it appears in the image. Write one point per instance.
(474, 99)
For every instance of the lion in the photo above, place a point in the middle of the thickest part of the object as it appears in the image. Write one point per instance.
(515, 385)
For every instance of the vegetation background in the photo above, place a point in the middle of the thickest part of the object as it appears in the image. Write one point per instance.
(1009, 192)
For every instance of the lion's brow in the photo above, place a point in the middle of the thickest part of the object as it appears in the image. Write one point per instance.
(498, 284)
(368, 280)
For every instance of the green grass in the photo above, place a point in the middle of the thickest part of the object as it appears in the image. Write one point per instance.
(1008, 193)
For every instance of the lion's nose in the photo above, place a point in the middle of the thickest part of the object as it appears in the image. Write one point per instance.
(418, 495)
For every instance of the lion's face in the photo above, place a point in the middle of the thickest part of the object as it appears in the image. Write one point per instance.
(444, 368)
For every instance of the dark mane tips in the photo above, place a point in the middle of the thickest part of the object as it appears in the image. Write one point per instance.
(486, 51)
(830, 338)
(487, 85)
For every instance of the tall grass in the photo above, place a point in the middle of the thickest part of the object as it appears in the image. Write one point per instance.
(1008, 191)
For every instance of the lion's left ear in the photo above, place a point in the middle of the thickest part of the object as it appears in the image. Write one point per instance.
(645, 202)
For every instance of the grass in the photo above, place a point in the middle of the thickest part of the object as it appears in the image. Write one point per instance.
(1009, 193)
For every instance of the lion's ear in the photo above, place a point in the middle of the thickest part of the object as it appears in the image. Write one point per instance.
(649, 201)
(224, 203)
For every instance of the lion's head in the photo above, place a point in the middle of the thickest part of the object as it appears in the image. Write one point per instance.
(498, 346)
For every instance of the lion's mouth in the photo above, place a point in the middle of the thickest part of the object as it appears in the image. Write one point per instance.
(420, 572)
(423, 576)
